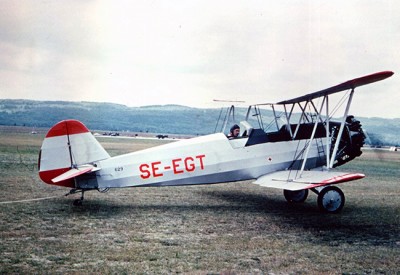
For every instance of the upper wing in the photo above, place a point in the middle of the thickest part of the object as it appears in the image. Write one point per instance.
(290, 180)
(351, 84)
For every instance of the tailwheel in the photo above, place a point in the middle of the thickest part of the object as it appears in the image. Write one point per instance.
(331, 199)
(297, 196)
(77, 202)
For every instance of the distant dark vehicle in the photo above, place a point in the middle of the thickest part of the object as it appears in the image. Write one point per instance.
(111, 134)
(161, 136)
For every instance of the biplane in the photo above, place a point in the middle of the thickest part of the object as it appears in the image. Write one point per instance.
(297, 155)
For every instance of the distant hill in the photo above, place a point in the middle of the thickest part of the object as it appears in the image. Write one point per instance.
(169, 119)
(173, 119)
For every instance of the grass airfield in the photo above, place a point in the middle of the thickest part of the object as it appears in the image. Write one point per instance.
(225, 228)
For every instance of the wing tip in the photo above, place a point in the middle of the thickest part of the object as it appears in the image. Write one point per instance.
(340, 179)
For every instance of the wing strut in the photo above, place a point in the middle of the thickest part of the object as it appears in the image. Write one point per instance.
(327, 133)
(275, 117)
(301, 118)
(339, 136)
(312, 136)
(288, 121)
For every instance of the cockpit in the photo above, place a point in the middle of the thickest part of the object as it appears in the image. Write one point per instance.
(253, 131)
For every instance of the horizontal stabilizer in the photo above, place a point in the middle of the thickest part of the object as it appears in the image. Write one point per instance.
(293, 180)
(74, 172)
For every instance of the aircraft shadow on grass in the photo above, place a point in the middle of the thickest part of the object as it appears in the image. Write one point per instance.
(332, 230)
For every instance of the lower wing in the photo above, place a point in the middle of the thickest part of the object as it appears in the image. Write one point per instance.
(294, 180)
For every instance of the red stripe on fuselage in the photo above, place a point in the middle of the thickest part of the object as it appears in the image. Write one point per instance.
(67, 127)
(47, 176)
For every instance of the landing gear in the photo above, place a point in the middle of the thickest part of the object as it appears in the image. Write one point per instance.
(77, 202)
(298, 196)
(331, 199)
(103, 190)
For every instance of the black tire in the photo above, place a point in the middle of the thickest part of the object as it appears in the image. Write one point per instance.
(297, 196)
(331, 200)
(77, 202)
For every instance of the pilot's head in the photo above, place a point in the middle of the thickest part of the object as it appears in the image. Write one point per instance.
(235, 130)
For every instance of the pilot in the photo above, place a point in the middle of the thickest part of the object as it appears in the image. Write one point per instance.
(234, 132)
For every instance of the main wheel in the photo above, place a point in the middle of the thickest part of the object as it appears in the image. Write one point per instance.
(331, 199)
(297, 196)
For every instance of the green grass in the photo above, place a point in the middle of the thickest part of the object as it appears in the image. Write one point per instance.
(226, 228)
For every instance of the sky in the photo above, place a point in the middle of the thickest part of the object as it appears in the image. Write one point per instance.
(191, 52)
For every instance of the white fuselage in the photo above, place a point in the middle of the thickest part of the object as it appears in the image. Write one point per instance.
(202, 160)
